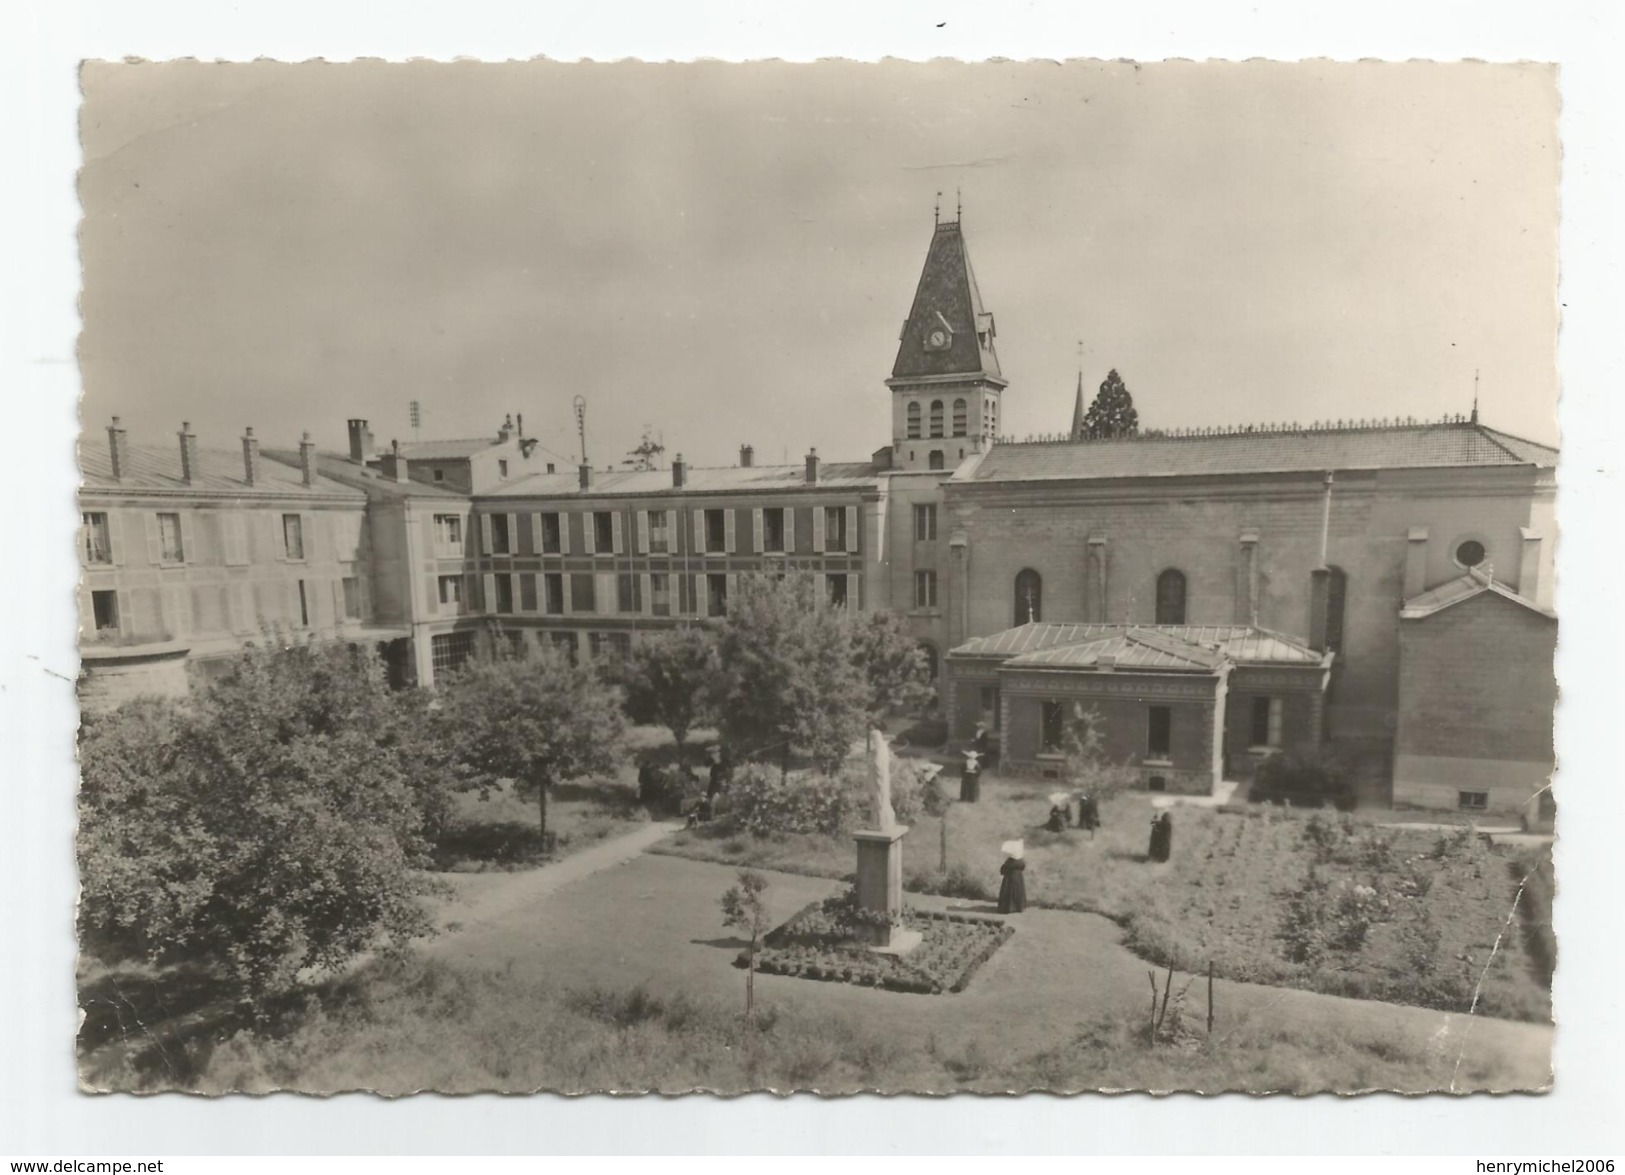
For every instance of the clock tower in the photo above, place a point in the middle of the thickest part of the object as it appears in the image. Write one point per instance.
(945, 385)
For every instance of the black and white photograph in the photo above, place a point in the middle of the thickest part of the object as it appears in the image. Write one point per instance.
(586, 586)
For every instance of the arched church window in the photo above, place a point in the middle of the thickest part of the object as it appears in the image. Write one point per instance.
(936, 418)
(1171, 597)
(960, 420)
(1029, 596)
(913, 420)
(1337, 589)
(934, 461)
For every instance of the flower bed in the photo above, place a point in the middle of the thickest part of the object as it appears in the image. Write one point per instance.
(826, 941)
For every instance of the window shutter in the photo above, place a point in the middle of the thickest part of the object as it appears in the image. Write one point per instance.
(513, 534)
(87, 612)
(606, 597)
(312, 540)
(155, 548)
(233, 540)
(589, 534)
(567, 593)
(647, 589)
(234, 608)
(851, 528)
(819, 518)
(270, 527)
(699, 531)
(115, 537)
(485, 534)
(535, 534)
(617, 540)
(489, 602)
(643, 532)
(729, 543)
(178, 610)
(756, 530)
(248, 617)
(564, 533)
(189, 551)
(431, 538)
(338, 601)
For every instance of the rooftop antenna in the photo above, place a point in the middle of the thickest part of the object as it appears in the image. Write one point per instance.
(959, 204)
(936, 211)
(415, 411)
(1475, 395)
(581, 425)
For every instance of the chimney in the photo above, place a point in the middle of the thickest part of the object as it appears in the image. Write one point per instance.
(506, 430)
(307, 459)
(1320, 596)
(251, 456)
(360, 441)
(747, 456)
(584, 473)
(679, 471)
(812, 467)
(519, 425)
(397, 463)
(118, 444)
(191, 466)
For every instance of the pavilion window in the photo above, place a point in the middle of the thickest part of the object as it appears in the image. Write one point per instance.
(936, 418)
(1171, 597)
(1029, 601)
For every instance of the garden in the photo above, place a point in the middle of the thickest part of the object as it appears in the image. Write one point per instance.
(1324, 901)
(832, 939)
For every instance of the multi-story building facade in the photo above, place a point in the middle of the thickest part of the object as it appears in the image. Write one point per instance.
(190, 552)
(1309, 540)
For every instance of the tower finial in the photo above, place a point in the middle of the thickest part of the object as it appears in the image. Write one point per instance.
(959, 204)
(936, 211)
(1475, 395)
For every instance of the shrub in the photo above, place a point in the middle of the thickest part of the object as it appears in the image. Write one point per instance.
(762, 801)
(1308, 776)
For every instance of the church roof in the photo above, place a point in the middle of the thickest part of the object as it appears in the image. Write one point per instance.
(1457, 591)
(947, 298)
(1167, 646)
(1407, 446)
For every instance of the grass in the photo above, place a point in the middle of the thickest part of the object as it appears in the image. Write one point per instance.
(400, 1028)
(1230, 894)
(500, 833)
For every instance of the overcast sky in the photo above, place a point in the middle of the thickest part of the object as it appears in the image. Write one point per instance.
(726, 253)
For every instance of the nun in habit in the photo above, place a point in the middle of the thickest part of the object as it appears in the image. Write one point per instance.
(1013, 890)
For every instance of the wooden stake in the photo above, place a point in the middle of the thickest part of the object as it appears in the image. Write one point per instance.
(1167, 986)
(1209, 997)
(943, 865)
(1152, 976)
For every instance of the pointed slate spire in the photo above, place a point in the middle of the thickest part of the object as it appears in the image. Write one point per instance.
(948, 333)
(1078, 411)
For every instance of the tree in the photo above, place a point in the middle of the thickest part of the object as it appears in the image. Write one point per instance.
(744, 908)
(538, 721)
(647, 454)
(261, 828)
(1112, 414)
(894, 667)
(1086, 762)
(668, 680)
(787, 673)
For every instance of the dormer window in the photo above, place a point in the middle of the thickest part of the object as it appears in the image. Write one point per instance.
(502, 468)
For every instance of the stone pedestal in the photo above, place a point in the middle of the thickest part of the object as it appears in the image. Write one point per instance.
(880, 875)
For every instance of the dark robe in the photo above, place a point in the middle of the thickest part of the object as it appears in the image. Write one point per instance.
(1162, 837)
(970, 786)
(1055, 823)
(1013, 890)
(1088, 813)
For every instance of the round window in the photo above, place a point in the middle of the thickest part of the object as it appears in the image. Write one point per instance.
(1470, 553)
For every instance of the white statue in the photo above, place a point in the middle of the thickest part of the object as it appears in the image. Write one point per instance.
(880, 781)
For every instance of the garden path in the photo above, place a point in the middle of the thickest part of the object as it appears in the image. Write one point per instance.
(481, 898)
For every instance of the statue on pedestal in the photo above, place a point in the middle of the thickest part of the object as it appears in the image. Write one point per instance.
(885, 819)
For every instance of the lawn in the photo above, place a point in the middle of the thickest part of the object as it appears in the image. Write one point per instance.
(1324, 903)
(628, 982)
(500, 832)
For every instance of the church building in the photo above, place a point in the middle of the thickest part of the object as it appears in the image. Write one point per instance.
(1217, 595)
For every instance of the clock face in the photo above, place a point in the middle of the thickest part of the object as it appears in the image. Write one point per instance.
(939, 338)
